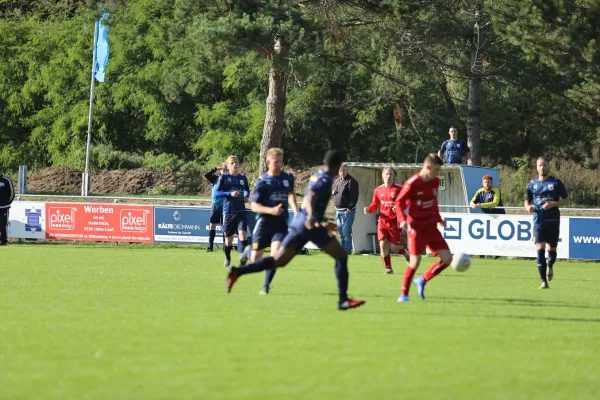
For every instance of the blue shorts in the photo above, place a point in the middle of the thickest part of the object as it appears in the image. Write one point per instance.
(235, 223)
(216, 215)
(299, 235)
(546, 234)
(267, 231)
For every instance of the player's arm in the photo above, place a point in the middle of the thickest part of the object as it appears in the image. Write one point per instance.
(437, 216)
(467, 155)
(493, 203)
(221, 190)
(442, 150)
(374, 204)
(401, 203)
(292, 201)
(246, 189)
(529, 206)
(210, 176)
(475, 200)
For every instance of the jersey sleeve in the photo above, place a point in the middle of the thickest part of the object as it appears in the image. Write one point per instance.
(211, 177)
(246, 187)
(475, 198)
(562, 190)
(466, 147)
(375, 203)
(318, 185)
(401, 201)
(529, 194)
(494, 202)
(221, 190)
(292, 183)
(257, 192)
(443, 148)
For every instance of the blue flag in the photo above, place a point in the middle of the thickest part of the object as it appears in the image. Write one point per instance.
(102, 50)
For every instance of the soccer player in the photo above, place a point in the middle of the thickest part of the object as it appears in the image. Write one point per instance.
(233, 188)
(388, 233)
(309, 225)
(455, 149)
(419, 196)
(216, 208)
(543, 197)
(273, 193)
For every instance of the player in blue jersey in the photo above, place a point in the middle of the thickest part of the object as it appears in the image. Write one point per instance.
(273, 193)
(233, 188)
(216, 207)
(543, 197)
(457, 151)
(309, 224)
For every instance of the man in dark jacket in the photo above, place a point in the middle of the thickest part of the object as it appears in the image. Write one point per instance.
(345, 197)
(7, 195)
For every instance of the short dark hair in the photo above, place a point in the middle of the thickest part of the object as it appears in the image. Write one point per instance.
(542, 158)
(334, 157)
(453, 127)
(433, 158)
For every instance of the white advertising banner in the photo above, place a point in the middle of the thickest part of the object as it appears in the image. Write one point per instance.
(497, 235)
(27, 220)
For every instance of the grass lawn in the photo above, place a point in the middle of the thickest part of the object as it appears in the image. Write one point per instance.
(106, 322)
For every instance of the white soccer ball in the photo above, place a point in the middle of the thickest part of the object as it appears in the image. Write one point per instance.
(460, 262)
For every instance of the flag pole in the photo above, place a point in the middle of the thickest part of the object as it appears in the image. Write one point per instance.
(86, 175)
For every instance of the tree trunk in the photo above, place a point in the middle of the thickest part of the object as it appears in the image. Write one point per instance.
(475, 92)
(273, 129)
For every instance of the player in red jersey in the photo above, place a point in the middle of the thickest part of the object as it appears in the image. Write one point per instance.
(419, 196)
(388, 232)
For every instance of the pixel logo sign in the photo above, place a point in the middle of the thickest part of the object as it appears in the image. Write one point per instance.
(453, 228)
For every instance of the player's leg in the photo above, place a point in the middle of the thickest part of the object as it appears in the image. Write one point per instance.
(438, 245)
(229, 226)
(3, 226)
(416, 246)
(540, 246)
(216, 215)
(242, 228)
(551, 248)
(270, 273)
(395, 239)
(384, 250)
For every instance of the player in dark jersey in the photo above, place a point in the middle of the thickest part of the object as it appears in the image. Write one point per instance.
(419, 197)
(309, 225)
(216, 207)
(543, 197)
(273, 193)
(456, 150)
(233, 188)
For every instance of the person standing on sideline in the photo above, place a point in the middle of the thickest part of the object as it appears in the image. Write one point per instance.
(216, 207)
(345, 197)
(488, 197)
(7, 195)
(542, 198)
(455, 149)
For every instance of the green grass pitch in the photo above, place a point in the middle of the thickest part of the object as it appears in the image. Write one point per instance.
(106, 322)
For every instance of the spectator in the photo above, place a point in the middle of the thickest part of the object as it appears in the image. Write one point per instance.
(7, 195)
(488, 197)
(456, 150)
(345, 197)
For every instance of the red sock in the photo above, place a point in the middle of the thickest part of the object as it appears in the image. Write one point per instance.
(401, 251)
(387, 262)
(409, 273)
(434, 270)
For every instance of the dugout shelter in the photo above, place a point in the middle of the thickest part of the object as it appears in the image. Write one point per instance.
(458, 184)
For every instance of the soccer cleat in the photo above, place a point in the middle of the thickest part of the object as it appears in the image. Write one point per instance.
(403, 298)
(232, 277)
(209, 249)
(389, 271)
(550, 273)
(544, 285)
(243, 260)
(350, 303)
(420, 283)
(264, 291)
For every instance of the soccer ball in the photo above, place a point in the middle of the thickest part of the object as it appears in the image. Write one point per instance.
(460, 262)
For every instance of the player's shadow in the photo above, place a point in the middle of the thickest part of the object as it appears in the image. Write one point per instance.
(513, 302)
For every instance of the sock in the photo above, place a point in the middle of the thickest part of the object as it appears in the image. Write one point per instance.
(247, 252)
(269, 275)
(387, 262)
(401, 251)
(227, 250)
(434, 270)
(242, 244)
(341, 273)
(262, 264)
(541, 264)
(551, 258)
(211, 237)
(409, 273)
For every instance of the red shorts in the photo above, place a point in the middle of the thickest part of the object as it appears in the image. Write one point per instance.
(389, 230)
(429, 237)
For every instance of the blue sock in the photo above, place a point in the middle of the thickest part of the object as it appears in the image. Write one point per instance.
(541, 264)
(341, 273)
(211, 237)
(266, 263)
(227, 250)
(242, 245)
(551, 258)
(270, 274)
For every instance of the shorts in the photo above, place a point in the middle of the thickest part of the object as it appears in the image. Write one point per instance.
(390, 231)
(216, 215)
(235, 223)
(546, 234)
(299, 235)
(430, 238)
(268, 231)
